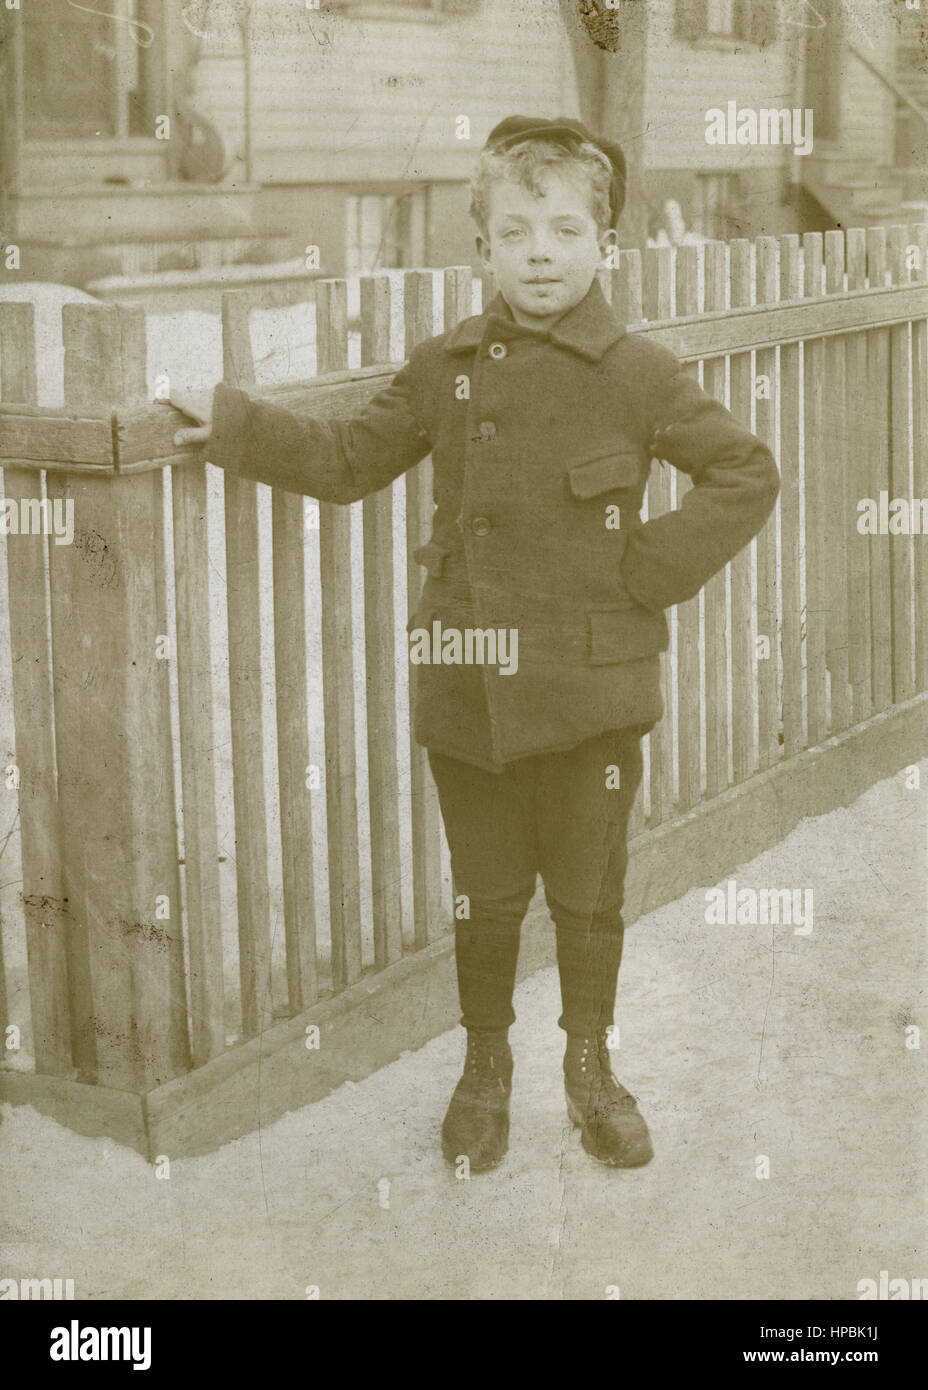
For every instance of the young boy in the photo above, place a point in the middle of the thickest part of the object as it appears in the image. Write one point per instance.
(542, 416)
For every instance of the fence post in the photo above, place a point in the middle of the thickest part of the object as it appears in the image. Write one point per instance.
(44, 908)
(113, 741)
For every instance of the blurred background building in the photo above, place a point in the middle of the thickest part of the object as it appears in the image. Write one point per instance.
(177, 144)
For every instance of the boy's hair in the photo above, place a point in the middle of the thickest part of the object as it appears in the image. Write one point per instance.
(526, 163)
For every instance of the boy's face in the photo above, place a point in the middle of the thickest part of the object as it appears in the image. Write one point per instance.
(543, 251)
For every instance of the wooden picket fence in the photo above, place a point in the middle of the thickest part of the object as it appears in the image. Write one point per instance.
(820, 344)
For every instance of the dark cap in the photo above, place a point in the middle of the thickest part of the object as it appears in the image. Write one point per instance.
(563, 131)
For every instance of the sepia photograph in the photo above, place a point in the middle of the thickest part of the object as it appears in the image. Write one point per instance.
(464, 663)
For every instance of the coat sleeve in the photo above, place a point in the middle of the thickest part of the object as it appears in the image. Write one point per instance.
(334, 460)
(735, 486)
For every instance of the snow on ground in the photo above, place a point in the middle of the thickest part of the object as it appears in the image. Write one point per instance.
(739, 1041)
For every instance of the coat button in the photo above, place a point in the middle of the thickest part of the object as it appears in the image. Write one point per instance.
(487, 429)
(498, 350)
(480, 526)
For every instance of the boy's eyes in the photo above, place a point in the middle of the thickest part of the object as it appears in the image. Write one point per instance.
(512, 232)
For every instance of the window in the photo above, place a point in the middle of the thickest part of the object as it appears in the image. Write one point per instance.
(381, 4)
(385, 233)
(733, 21)
(384, 7)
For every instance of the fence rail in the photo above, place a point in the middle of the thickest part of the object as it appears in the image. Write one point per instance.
(819, 344)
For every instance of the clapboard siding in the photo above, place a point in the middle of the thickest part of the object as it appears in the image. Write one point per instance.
(685, 81)
(383, 94)
(389, 89)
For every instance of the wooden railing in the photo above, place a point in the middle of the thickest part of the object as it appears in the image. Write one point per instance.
(818, 344)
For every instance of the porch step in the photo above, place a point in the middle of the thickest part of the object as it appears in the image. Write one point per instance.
(129, 262)
(282, 283)
(879, 204)
(92, 213)
(876, 197)
(836, 166)
(67, 164)
(855, 193)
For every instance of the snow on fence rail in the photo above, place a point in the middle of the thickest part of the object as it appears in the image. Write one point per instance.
(821, 347)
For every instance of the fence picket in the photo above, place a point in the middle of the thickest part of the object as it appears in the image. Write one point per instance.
(689, 733)
(835, 423)
(919, 238)
(900, 442)
(744, 620)
(426, 821)
(878, 349)
(293, 748)
(791, 556)
(627, 287)
(715, 592)
(379, 648)
(656, 289)
(659, 305)
(859, 407)
(338, 674)
(813, 355)
(197, 739)
(244, 620)
(765, 544)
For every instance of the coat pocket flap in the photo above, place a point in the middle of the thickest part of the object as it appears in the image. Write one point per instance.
(604, 473)
(619, 632)
(432, 556)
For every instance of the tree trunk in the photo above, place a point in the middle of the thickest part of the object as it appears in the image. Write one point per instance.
(608, 49)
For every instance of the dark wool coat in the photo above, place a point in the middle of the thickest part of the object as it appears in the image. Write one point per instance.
(536, 438)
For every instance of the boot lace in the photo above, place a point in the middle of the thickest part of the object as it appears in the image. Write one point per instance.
(485, 1068)
(604, 1090)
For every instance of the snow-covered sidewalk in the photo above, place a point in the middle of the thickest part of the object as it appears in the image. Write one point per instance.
(741, 1042)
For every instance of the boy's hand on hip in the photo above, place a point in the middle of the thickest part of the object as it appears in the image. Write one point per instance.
(199, 406)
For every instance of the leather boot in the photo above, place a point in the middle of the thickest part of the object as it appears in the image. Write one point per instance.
(611, 1128)
(477, 1120)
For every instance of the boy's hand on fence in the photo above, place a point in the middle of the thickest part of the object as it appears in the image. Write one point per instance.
(199, 406)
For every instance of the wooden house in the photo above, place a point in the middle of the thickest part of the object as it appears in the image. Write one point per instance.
(208, 141)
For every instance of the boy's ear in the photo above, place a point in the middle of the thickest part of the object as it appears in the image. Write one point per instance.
(608, 239)
(483, 249)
